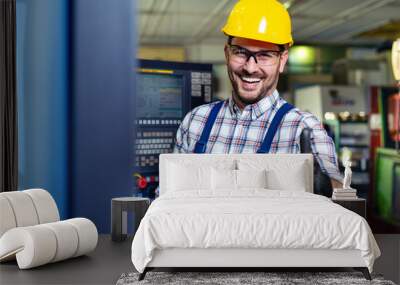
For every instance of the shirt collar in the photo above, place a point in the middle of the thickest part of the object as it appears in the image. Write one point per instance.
(235, 110)
(256, 109)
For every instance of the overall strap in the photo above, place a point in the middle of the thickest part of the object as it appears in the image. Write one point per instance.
(201, 145)
(266, 144)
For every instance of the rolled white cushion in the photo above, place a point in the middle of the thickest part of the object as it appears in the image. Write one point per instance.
(37, 245)
(45, 205)
(87, 234)
(7, 218)
(33, 246)
(23, 208)
(67, 240)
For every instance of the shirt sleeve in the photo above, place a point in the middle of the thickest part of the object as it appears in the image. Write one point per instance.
(323, 148)
(181, 139)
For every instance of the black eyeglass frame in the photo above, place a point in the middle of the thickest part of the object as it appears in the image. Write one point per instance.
(252, 54)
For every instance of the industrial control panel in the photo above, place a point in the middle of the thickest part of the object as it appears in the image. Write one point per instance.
(165, 93)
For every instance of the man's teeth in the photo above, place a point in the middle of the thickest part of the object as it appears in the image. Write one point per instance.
(250, 79)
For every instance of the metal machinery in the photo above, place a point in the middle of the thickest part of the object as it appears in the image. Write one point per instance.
(385, 140)
(342, 110)
(385, 137)
(166, 92)
(387, 193)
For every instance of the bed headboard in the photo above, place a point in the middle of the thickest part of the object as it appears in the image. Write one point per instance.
(270, 161)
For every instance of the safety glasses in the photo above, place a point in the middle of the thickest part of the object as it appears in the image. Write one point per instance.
(241, 55)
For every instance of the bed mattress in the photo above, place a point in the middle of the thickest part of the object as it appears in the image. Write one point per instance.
(250, 219)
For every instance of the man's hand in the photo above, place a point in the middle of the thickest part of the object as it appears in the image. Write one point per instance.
(336, 184)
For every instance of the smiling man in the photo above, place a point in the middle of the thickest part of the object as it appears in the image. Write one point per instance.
(255, 119)
(253, 68)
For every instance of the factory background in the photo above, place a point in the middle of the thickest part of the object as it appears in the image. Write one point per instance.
(92, 78)
(83, 97)
(102, 88)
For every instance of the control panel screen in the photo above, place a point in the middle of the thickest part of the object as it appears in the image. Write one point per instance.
(159, 95)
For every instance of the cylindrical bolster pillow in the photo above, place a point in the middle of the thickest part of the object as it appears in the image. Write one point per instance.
(33, 246)
(87, 233)
(23, 208)
(41, 244)
(26, 208)
(67, 240)
(7, 218)
(45, 205)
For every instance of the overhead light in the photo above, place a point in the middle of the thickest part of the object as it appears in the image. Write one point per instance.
(330, 116)
(302, 55)
(396, 59)
(287, 4)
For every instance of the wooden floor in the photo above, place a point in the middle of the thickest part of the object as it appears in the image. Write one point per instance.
(103, 266)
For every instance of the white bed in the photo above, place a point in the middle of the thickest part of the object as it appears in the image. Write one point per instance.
(226, 211)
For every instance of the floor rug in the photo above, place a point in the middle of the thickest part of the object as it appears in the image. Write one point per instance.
(243, 278)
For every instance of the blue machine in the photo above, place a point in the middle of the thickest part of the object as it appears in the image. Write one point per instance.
(165, 93)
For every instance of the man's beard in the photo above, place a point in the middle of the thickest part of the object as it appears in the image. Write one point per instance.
(264, 91)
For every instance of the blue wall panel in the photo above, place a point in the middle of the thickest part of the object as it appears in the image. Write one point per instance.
(75, 76)
(103, 70)
(42, 90)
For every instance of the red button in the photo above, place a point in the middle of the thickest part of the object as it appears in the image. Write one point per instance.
(141, 183)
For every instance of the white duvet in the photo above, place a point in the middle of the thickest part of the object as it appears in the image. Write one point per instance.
(251, 218)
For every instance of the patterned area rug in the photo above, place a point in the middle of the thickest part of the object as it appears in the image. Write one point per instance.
(242, 278)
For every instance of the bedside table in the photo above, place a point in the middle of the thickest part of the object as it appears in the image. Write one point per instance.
(119, 215)
(357, 205)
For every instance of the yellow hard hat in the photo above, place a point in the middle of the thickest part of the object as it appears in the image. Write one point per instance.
(262, 20)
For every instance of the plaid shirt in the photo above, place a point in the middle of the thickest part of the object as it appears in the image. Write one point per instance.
(243, 131)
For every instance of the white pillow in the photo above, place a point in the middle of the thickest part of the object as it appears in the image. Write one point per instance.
(251, 178)
(184, 177)
(223, 179)
(293, 180)
(193, 175)
(280, 174)
(228, 179)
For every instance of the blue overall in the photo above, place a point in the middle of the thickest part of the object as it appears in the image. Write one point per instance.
(201, 145)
